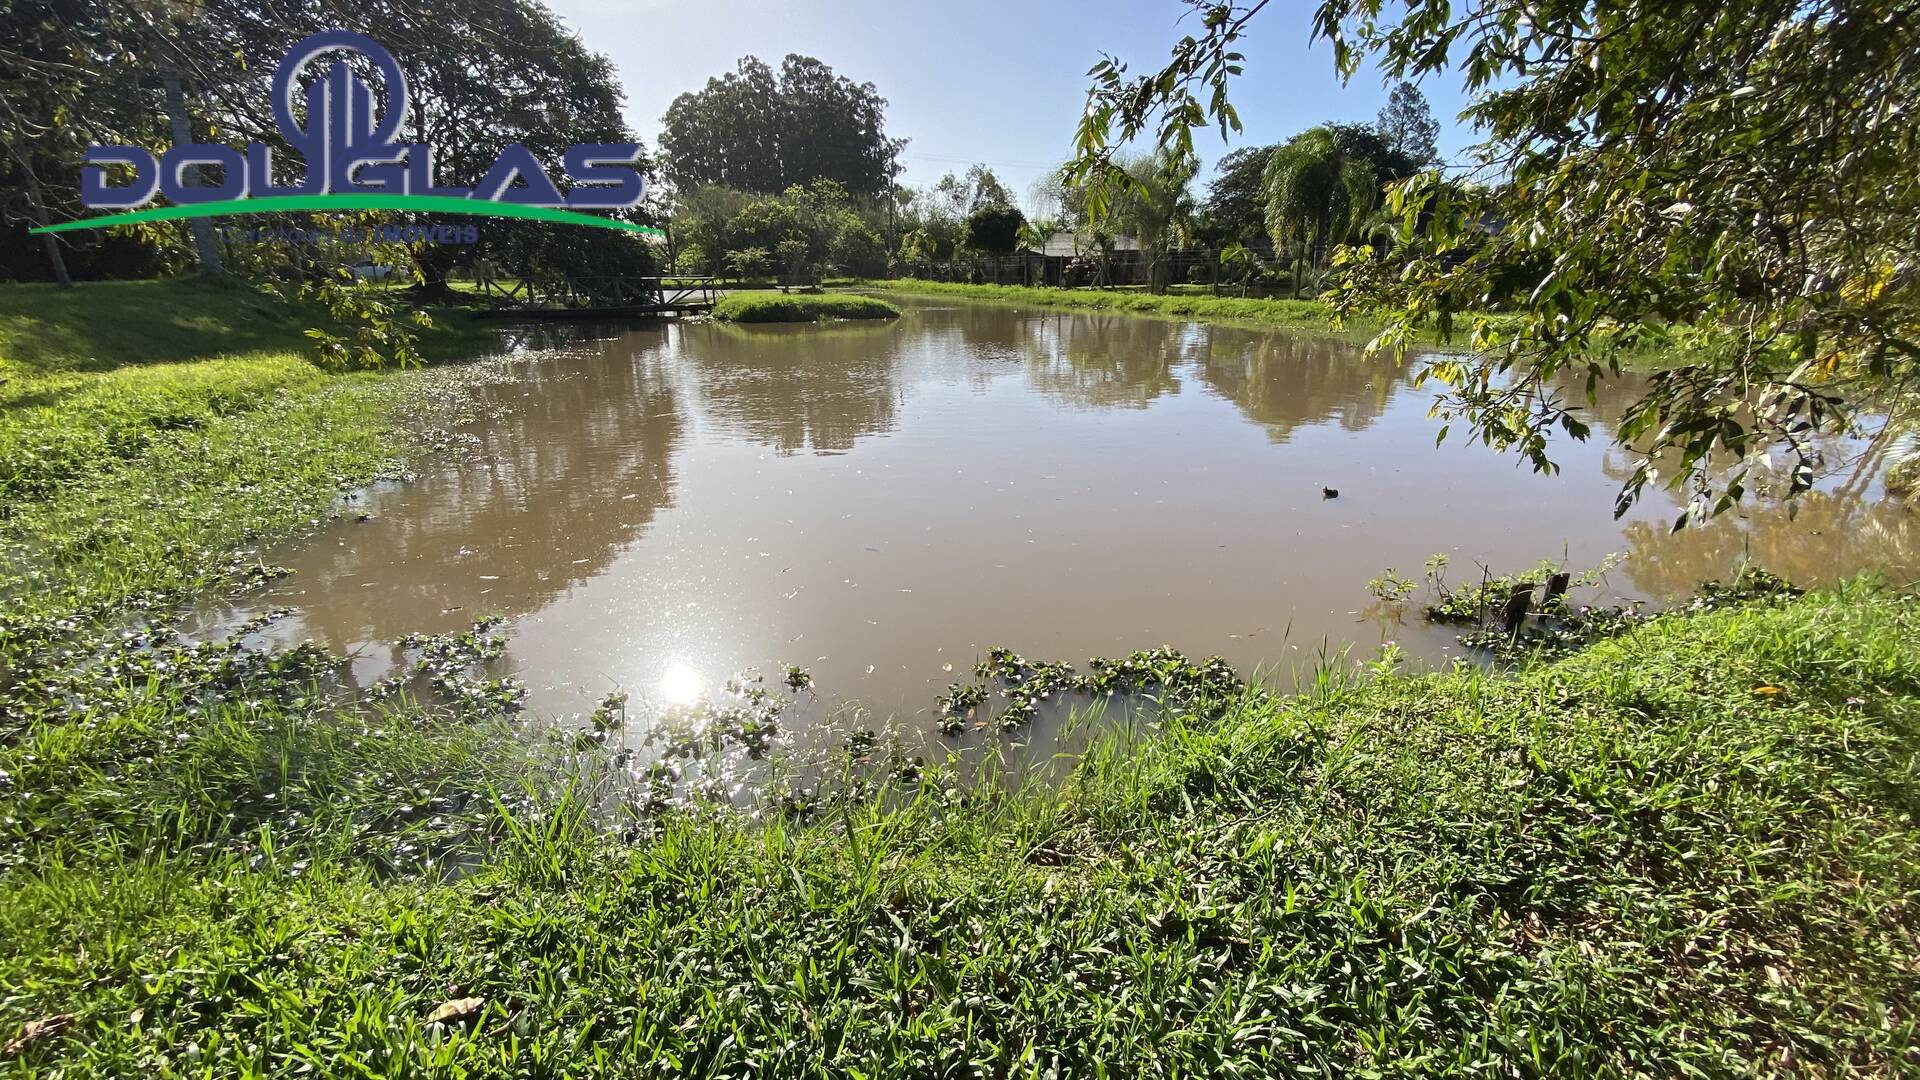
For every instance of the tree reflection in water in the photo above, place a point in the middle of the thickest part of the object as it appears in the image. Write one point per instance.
(658, 508)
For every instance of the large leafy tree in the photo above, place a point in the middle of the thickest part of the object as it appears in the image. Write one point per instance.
(65, 83)
(1235, 208)
(937, 217)
(1741, 171)
(702, 226)
(960, 195)
(1156, 205)
(763, 133)
(801, 230)
(480, 74)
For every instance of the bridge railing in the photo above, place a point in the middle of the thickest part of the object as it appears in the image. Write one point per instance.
(590, 291)
(691, 292)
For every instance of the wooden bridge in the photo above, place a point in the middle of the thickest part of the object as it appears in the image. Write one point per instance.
(589, 297)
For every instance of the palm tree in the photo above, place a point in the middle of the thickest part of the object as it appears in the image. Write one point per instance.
(1317, 194)
(1034, 235)
(1035, 232)
(1156, 207)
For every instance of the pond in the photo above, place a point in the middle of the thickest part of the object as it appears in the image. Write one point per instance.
(656, 508)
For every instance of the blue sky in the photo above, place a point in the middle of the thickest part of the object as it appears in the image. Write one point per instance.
(996, 81)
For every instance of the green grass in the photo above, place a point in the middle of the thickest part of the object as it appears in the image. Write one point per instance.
(1186, 302)
(1306, 316)
(800, 307)
(1689, 850)
(1284, 314)
(150, 432)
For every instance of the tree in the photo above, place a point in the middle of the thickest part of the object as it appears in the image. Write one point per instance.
(1746, 170)
(751, 130)
(1366, 141)
(940, 212)
(1407, 125)
(1316, 193)
(1240, 265)
(995, 230)
(978, 189)
(702, 224)
(807, 228)
(1155, 205)
(59, 92)
(1037, 232)
(747, 262)
(1235, 209)
(1737, 176)
(480, 75)
(856, 248)
(921, 246)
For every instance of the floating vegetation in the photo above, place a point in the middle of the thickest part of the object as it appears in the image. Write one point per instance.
(1026, 684)
(165, 744)
(448, 664)
(1748, 586)
(612, 712)
(746, 716)
(1531, 615)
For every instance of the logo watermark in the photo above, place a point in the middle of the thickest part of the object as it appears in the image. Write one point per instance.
(354, 160)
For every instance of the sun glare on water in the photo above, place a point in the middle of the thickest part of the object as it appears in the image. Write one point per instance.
(680, 685)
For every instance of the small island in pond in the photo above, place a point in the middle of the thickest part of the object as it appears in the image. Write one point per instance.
(801, 307)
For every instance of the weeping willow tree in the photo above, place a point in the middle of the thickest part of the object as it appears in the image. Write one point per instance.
(1317, 194)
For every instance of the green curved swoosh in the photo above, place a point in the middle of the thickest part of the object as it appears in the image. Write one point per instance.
(437, 204)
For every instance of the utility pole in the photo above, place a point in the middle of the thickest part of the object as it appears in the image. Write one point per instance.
(203, 245)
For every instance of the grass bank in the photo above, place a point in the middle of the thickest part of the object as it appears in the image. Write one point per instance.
(1690, 850)
(1687, 850)
(1305, 316)
(1283, 314)
(150, 432)
(800, 307)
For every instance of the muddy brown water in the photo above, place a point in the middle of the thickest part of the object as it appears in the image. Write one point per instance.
(657, 508)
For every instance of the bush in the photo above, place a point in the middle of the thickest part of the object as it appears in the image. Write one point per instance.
(778, 308)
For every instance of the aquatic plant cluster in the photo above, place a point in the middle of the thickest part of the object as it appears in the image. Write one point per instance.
(446, 664)
(1164, 674)
(1531, 615)
(150, 744)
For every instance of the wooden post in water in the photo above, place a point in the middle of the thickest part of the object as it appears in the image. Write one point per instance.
(1514, 612)
(1556, 589)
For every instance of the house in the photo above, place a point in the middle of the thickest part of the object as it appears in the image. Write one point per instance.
(1069, 259)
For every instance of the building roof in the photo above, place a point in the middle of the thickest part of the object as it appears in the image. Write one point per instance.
(1061, 245)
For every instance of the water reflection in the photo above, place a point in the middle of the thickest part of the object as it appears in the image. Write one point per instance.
(576, 471)
(797, 387)
(1104, 362)
(1831, 537)
(661, 508)
(1282, 382)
